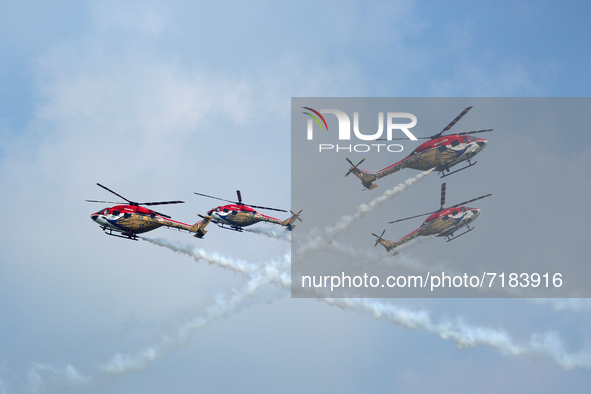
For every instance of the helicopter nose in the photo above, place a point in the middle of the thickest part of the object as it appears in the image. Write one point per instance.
(94, 216)
(482, 143)
(475, 212)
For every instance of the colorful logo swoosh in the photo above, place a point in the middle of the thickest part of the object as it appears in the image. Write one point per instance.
(315, 118)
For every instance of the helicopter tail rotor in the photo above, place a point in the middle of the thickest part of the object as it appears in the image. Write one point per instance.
(379, 237)
(366, 177)
(289, 223)
(354, 166)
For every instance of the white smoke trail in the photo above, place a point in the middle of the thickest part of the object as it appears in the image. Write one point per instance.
(414, 242)
(274, 271)
(271, 272)
(346, 221)
(319, 240)
(466, 336)
(36, 383)
(284, 235)
(200, 254)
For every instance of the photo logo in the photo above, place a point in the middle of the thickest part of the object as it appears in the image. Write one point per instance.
(345, 128)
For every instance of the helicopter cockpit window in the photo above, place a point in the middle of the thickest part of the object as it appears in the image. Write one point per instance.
(116, 213)
(455, 143)
(226, 210)
(106, 212)
(467, 140)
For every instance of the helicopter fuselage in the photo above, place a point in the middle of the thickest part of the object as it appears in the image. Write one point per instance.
(440, 153)
(238, 216)
(130, 220)
(444, 223)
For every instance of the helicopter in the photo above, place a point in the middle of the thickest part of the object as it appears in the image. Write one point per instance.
(238, 215)
(128, 220)
(443, 222)
(440, 152)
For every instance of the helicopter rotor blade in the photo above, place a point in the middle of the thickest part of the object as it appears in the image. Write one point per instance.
(453, 122)
(443, 187)
(402, 138)
(216, 198)
(474, 132)
(105, 202)
(161, 203)
(412, 217)
(271, 209)
(118, 195)
(161, 214)
(469, 201)
(239, 202)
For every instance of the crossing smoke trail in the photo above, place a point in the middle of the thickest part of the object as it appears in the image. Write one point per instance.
(273, 272)
(276, 272)
(462, 334)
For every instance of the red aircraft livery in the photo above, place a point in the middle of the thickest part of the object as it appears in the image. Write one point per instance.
(237, 215)
(443, 223)
(441, 153)
(126, 221)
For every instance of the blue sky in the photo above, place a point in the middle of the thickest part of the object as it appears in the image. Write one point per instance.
(158, 100)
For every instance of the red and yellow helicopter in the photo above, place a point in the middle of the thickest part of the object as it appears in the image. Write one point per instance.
(237, 215)
(441, 152)
(443, 223)
(128, 220)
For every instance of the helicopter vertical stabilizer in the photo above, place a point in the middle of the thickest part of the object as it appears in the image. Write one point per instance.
(199, 227)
